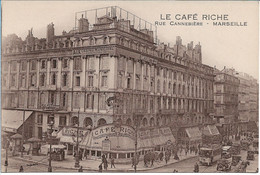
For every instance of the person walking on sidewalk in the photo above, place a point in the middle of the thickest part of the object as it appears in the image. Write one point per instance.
(80, 169)
(21, 169)
(196, 167)
(113, 162)
(100, 168)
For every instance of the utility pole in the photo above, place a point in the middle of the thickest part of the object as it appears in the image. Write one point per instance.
(23, 134)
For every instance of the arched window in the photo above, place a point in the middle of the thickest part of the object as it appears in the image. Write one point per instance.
(158, 121)
(152, 121)
(169, 87)
(145, 122)
(74, 120)
(101, 122)
(88, 122)
(129, 122)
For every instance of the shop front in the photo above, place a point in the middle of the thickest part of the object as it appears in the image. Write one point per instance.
(117, 142)
(189, 137)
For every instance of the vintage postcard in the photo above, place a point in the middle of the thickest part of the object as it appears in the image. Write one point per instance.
(129, 86)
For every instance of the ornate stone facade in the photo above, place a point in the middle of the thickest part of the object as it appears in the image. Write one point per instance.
(110, 71)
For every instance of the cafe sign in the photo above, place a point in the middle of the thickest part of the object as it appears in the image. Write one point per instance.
(112, 131)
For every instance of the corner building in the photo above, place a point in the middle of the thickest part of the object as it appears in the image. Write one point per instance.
(106, 71)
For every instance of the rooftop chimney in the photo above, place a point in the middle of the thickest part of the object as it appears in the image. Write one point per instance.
(50, 33)
(83, 24)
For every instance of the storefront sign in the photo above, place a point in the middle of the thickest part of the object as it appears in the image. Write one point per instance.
(9, 129)
(106, 145)
(109, 130)
(154, 133)
(73, 132)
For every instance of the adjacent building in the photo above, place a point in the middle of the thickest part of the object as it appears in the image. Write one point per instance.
(111, 71)
(226, 101)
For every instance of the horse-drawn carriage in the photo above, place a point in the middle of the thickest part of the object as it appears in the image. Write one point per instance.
(224, 165)
(235, 160)
(241, 168)
(244, 144)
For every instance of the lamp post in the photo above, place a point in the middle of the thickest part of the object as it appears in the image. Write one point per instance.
(6, 154)
(50, 141)
(77, 145)
(23, 134)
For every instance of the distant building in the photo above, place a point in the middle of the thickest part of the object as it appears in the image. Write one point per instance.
(226, 101)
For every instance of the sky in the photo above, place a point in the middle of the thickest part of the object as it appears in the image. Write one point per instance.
(230, 46)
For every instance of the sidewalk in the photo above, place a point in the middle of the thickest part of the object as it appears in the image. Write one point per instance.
(92, 165)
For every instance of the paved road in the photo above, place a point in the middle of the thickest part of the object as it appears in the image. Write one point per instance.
(187, 166)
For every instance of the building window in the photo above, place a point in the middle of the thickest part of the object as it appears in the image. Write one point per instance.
(42, 80)
(23, 65)
(33, 65)
(33, 80)
(63, 100)
(76, 99)
(13, 80)
(65, 63)
(64, 79)
(164, 86)
(90, 81)
(90, 101)
(104, 81)
(40, 132)
(50, 119)
(77, 64)
(52, 98)
(102, 101)
(62, 121)
(23, 80)
(158, 86)
(43, 64)
(53, 79)
(119, 81)
(39, 119)
(54, 64)
(129, 82)
(77, 83)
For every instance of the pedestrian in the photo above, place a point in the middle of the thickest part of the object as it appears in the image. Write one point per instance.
(113, 162)
(100, 168)
(133, 161)
(21, 169)
(186, 151)
(80, 169)
(105, 164)
(196, 168)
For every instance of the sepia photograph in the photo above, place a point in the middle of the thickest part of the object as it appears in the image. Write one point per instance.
(129, 86)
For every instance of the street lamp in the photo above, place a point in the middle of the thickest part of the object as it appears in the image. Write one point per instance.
(50, 141)
(77, 145)
(6, 154)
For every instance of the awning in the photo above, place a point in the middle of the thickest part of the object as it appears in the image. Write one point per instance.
(13, 119)
(210, 130)
(155, 137)
(193, 133)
